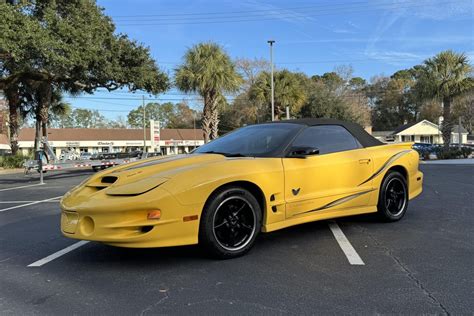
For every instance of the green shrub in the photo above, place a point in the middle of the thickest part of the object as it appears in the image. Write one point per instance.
(466, 151)
(16, 161)
(453, 153)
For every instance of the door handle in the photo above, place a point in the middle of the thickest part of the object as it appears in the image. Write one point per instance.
(364, 161)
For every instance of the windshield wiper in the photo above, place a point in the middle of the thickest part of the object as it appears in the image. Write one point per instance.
(224, 154)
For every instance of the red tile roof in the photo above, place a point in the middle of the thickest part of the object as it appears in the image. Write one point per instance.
(91, 134)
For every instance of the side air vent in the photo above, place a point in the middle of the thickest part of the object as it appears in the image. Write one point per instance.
(108, 179)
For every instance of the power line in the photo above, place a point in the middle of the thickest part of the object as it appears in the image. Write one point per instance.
(232, 12)
(110, 103)
(264, 13)
(140, 94)
(133, 99)
(342, 95)
(317, 61)
(100, 110)
(289, 15)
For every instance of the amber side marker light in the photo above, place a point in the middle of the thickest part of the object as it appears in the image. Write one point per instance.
(190, 218)
(155, 214)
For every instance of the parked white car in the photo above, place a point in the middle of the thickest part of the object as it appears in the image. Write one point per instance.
(69, 155)
(85, 155)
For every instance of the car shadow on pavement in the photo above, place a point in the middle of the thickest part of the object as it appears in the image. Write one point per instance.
(267, 245)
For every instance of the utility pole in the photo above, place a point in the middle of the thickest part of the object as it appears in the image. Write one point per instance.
(194, 127)
(459, 133)
(273, 88)
(144, 124)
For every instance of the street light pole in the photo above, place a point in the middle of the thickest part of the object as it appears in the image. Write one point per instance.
(459, 133)
(271, 78)
(144, 125)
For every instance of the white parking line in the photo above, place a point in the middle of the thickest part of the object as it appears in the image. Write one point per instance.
(21, 187)
(28, 204)
(18, 202)
(58, 254)
(345, 245)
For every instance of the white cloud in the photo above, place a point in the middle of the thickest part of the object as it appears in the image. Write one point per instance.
(395, 57)
(470, 56)
(280, 13)
(441, 10)
(403, 39)
(405, 10)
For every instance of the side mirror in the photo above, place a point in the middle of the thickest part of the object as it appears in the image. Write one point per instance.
(302, 152)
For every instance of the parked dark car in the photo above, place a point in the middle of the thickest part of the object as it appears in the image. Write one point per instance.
(424, 149)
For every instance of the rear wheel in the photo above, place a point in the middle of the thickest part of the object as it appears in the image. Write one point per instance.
(230, 223)
(393, 197)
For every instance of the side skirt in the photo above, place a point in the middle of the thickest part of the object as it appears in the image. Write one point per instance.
(317, 217)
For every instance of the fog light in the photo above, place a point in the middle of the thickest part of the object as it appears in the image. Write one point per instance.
(146, 229)
(87, 226)
(155, 214)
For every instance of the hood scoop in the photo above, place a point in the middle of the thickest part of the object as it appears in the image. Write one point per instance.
(108, 179)
(102, 183)
(136, 187)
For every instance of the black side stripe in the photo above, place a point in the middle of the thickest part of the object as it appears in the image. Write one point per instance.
(339, 201)
(386, 165)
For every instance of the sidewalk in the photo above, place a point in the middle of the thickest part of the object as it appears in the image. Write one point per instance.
(468, 161)
(10, 171)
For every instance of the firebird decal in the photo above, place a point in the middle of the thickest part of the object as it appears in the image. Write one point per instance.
(339, 201)
(386, 165)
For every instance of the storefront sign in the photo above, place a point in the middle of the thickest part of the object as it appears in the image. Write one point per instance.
(105, 143)
(181, 142)
(155, 134)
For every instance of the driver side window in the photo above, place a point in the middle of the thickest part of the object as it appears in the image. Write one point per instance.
(327, 138)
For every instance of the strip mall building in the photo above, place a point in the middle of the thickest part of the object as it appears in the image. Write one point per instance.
(169, 141)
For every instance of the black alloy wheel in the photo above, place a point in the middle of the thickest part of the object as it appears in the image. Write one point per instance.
(230, 223)
(234, 223)
(393, 197)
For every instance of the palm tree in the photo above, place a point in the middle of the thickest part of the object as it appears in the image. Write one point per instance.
(446, 76)
(208, 71)
(289, 92)
(44, 103)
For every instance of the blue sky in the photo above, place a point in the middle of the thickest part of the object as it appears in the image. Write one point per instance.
(374, 37)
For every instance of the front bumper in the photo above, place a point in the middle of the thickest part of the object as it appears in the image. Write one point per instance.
(122, 221)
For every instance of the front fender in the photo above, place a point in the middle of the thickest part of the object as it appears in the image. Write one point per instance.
(193, 187)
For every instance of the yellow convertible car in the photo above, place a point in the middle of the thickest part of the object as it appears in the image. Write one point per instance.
(259, 178)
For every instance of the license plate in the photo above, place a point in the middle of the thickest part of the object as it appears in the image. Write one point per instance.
(69, 222)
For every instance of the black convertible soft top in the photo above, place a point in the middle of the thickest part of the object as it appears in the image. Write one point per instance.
(364, 138)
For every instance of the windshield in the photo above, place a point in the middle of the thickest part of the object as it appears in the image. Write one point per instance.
(265, 140)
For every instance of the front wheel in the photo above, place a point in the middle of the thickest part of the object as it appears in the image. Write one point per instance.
(230, 223)
(393, 197)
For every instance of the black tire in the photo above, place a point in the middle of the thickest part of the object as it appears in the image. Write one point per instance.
(393, 197)
(230, 223)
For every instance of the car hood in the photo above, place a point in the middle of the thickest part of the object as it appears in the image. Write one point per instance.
(143, 176)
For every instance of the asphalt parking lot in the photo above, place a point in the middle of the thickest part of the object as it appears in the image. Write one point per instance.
(422, 264)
